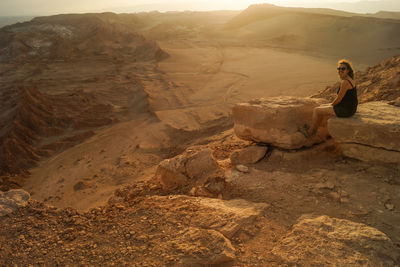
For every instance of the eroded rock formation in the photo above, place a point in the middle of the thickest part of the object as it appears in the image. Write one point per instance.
(73, 36)
(12, 200)
(194, 164)
(330, 241)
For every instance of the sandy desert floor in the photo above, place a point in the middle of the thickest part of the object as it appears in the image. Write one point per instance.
(194, 89)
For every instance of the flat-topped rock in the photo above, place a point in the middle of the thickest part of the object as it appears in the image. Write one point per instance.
(375, 124)
(325, 241)
(369, 153)
(276, 121)
(372, 134)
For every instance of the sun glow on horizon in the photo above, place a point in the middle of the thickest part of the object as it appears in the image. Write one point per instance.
(49, 7)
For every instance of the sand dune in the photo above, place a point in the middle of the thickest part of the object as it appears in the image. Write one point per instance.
(363, 39)
(386, 15)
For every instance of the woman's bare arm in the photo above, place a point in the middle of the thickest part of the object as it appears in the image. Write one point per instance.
(344, 86)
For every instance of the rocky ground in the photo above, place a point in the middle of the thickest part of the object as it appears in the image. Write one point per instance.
(259, 214)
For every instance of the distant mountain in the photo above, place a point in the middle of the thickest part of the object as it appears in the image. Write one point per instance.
(11, 20)
(326, 32)
(75, 35)
(367, 6)
(359, 7)
(385, 15)
(265, 11)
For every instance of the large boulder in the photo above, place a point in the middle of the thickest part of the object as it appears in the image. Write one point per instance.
(200, 163)
(194, 164)
(277, 121)
(372, 134)
(12, 200)
(171, 172)
(325, 241)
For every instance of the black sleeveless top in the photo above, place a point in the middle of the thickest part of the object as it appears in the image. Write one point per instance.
(348, 106)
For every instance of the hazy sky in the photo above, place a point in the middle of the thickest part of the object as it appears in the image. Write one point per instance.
(47, 7)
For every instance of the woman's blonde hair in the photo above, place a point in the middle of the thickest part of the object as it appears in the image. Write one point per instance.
(349, 66)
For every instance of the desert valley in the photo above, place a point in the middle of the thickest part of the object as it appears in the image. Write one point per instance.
(123, 141)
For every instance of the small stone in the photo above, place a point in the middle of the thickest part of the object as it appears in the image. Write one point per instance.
(343, 193)
(316, 191)
(344, 200)
(215, 184)
(79, 186)
(334, 195)
(120, 206)
(242, 168)
(248, 155)
(326, 185)
(244, 237)
(389, 206)
(192, 191)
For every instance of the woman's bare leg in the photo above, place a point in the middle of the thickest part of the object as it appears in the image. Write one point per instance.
(319, 114)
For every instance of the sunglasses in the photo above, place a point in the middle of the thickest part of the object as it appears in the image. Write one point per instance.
(341, 68)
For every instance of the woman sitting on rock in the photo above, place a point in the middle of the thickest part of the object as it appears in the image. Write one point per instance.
(345, 104)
